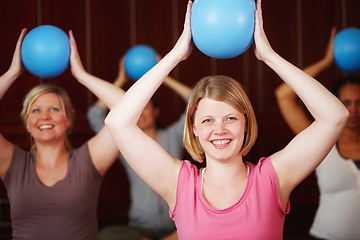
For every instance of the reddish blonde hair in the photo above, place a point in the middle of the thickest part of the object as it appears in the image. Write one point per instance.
(229, 91)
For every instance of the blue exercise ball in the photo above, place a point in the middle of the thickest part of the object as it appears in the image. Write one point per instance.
(347, 49)
(45, 51)
(223, 28)
(138, 60)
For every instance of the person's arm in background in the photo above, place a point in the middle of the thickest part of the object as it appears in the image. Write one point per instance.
(307, 149)
(175, 131)
(102, 148)
(6, 80)
(181, 89)
(16, 68)
(148, 159)
(97, 112)
(119, 82)
(291, 109)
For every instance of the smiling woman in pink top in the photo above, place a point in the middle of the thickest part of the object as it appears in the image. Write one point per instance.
(229, 198)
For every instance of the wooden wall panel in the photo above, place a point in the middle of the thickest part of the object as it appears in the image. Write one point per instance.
(110, 32)
(109, 36)
(14, 15)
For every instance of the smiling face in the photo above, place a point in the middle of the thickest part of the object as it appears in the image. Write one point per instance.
(228, 94)
(349, 95)
(46, 120)
(220, 129)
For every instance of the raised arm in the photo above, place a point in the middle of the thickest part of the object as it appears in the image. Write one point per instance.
(181, 89)
(15, 69)
(290, 108)
(119, 82)
(152, 163)
(106, 91)
(305, 152)
(97, 112)
(6, 80)
(102, 148)
(316, 68)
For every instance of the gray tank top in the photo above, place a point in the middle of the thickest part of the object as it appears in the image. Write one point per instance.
(66, 210)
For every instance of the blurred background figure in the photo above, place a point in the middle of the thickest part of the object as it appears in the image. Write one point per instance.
(338, 213)
(149, 213)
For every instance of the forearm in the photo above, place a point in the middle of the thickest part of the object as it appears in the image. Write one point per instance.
(316, 68)
(15, 69)
(6, 80)
(320, 102)
(181, 89)
(103, 90)
(139, 94)
(118, 82)
(285, 92)
(133, 143)
(290, 108)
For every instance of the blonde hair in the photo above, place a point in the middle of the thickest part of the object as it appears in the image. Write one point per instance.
(229, 91)
(65, 101)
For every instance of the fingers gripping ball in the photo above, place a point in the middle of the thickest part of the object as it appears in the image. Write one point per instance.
(223, 29)
(138, 60)
(347, 49)
(45, 51)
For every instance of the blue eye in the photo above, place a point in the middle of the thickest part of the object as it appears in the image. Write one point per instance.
(54, 109)
(231, 119)
(35, 110)
(206, 121)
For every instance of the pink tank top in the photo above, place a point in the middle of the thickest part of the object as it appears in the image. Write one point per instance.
(257, 215)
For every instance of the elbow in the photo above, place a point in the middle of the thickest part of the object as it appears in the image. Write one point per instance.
(109, 121)
(281, 95)
(278, 93)
(114, 122)
(345, 117)
(285, 93)
(341, 119)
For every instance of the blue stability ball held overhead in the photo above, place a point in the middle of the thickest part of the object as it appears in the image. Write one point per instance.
(347, 49)
(45, 51)
(138, 60)
(223, 28)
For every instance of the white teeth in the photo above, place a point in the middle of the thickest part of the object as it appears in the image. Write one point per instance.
(45, 127)
(220, 142)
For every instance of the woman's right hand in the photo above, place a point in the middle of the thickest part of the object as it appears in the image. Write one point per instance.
(16, 67)
(76, 66)
(121, 78)
(184, 45)
(329, 55)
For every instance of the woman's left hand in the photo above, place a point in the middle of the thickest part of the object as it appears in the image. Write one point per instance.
(75, 62)
(184, 45)
(262, 47)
